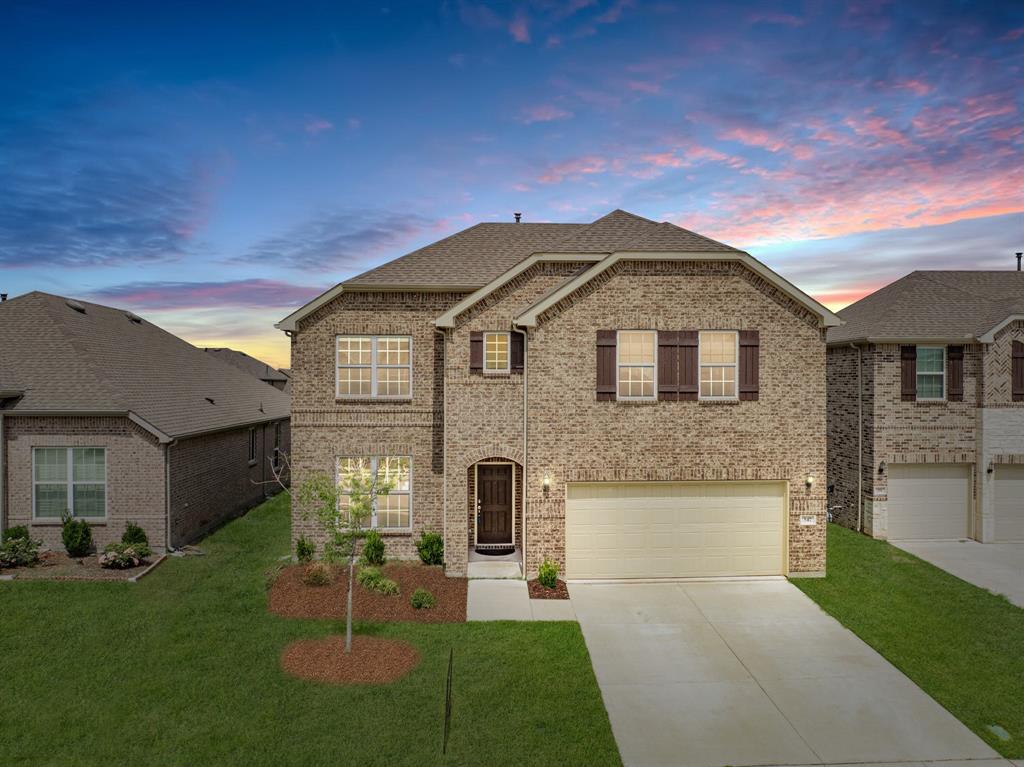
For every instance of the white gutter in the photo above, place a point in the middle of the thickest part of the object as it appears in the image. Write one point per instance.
(917, 340)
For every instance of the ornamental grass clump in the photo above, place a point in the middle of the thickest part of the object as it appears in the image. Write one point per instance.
(423, 599)
(547, 574)
(317, 574)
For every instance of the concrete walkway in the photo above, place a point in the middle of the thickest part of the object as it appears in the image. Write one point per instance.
(509, 600)
(752, 673)
(998, 567)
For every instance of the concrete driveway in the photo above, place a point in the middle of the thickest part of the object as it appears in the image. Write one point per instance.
(752, 673)
(998, 567)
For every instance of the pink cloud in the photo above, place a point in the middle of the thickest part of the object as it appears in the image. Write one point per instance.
(519, 28)
(543, 113)
(614, 12)
(316, 125)
(917, 87)
(878, 129)
(1013, 34)
(643, 87)
(754, 137)
(250, 294)
(573, 168)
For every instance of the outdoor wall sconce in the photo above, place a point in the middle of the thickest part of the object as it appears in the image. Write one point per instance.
(547, 482)
(809, 481)
(881, 468)
(990, 468)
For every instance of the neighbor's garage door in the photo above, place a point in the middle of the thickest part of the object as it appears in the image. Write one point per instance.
(1009, 503)
(929, 501)
(674, 529)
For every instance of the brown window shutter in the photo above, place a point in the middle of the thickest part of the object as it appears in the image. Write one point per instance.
(1017, 370)
(955, 373)
(516, 359)
(476, 351)
(908, 373)
(606, 364)
(750, 364)
(668, 365)
(687, 364)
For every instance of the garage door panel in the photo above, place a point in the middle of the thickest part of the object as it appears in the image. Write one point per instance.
(929, 501)
(663, 530)
(1009, 503)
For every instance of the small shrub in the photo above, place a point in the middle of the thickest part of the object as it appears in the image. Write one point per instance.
(121, 555)
(423, 599)
(317, 574)
(133, 534)
(12, 533)
(370, 578)
(431, 549)
(547, 574)
(77, 536)
(373, 549)
(19, 552)
(304, 549)
(387, 587)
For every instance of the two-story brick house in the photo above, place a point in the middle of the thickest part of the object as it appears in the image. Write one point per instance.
(625, 397)
(926, 408)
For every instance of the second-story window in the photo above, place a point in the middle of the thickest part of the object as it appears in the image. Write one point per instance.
(718, 355)
(496, 352)
(931, 372)
(374, 366)
(636, 364)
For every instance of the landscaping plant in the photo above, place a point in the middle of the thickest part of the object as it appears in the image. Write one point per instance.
(133, 534)
(305, 549)
(121, 555)
(430, 547)
(547, 574)
(19, 552)
(371, 578)
(317, 574)
(321, 496)
(373, 549)
(11, 533)
(77, 536)
(423, 599)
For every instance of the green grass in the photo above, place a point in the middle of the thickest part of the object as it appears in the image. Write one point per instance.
(962, 645)
(182, 669)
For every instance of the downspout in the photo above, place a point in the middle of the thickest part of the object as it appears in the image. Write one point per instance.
(444, 434)
(526, 452)
(167, 495)
(860, 438)
(3, 490)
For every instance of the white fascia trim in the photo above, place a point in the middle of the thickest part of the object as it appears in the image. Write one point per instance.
(291, 321)
(990, 336)
(447, 320)
(529, 317)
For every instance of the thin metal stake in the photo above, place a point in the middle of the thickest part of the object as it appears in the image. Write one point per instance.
(448, 701)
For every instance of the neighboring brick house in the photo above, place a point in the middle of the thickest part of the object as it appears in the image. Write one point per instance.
(108, 417)
(625, 397)
(938, 360)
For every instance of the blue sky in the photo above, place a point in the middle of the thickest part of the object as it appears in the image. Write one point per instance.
(214, 166)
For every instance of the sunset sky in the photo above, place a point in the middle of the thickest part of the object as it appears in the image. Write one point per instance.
(214, 166)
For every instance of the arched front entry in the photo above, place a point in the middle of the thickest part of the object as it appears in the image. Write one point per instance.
(494, 505)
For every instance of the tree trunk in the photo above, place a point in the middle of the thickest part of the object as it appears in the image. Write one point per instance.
(348, 619)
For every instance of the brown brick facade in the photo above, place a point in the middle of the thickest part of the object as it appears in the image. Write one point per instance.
(455, 419)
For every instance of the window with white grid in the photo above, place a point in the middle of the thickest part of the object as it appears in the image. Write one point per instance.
(374, 366)
(496, 352)
(393, 510)
(71, 480)
(636, 350)
(718, 351)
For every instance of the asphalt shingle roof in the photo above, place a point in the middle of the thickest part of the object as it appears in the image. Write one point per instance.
(101, 359)
(473, 257)
(934, 304)
(247, 364)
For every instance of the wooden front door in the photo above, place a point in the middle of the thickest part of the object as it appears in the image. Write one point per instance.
(494, 503)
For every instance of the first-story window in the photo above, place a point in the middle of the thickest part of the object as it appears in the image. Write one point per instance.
(392, 510)
(374, 366)
(636, 351)
(931, 372)
(718, 350)
(252, 445)
(496, 352)
(277, 444)
(70, 480)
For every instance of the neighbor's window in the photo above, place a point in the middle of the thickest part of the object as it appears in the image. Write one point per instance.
(496, 354)
(252, 445)
(374, 366)
(931, 372)
(277, 444)
(72, 480)
(718, 352)
(636, 350)
(392, 511)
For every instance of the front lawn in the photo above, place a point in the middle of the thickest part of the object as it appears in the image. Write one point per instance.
(182, 668)
(962, 645)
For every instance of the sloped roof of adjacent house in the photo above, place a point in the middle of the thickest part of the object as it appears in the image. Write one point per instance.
(938, 305)
(477, 259)
(64, 356)
(247, 364)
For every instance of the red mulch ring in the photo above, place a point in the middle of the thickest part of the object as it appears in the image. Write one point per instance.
(539, 591)
(373, 660)
(292, 598)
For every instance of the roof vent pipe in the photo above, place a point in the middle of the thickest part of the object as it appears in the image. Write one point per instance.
(520, 215)
(1018, 260)
(3, 297)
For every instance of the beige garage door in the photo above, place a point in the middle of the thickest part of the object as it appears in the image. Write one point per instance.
(929, 501)
(1009, 497)
(674, 529)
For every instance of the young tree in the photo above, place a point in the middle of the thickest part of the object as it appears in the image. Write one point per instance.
(343, 516)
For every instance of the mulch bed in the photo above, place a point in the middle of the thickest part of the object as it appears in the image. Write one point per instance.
(373, 660)
(539, 591)
(58, 566)
(292, 598)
